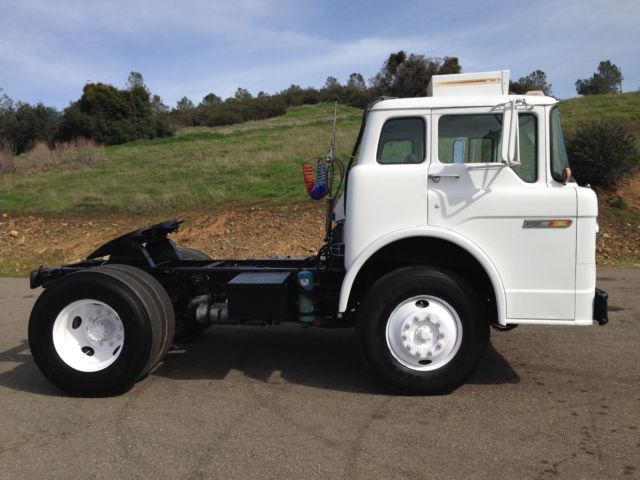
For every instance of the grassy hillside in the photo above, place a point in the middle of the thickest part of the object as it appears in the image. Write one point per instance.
(239, 187)
(622, 108)
(198, 168)
(201, 168)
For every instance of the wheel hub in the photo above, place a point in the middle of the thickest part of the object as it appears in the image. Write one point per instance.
(88, 335)
(421, 335)
(99, 330)
(424, 333)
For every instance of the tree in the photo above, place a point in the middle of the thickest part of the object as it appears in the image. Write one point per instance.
(611, 75)
(22, 125)
(6, 103)
(111, 116)
(296, 95)
(383, 81)
(135, 80)
(157, 105)
(356, 80)
(332, 90)
(331, 83)
(413, 76)
(355, 93)
(184, 105)
(210, 100)
(608, 79)
(536, 80)
(450, 65)
(405, 75)
(242, 94)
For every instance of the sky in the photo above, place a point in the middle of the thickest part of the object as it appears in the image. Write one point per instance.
(49, 49)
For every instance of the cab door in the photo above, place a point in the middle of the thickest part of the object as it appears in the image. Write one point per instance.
(521, 218)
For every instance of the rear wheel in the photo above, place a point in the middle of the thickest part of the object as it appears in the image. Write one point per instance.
(420, 331)
(95, 332)
(160, 301)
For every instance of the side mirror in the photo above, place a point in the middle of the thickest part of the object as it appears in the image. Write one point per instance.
(510, 136)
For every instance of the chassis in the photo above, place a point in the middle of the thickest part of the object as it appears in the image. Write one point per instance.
(193, 283)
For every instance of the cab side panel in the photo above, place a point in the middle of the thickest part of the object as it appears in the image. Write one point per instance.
(382, 198)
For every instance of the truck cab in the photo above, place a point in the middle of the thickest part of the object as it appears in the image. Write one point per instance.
(431, 182)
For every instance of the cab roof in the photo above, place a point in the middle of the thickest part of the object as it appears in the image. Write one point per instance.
(458, 101)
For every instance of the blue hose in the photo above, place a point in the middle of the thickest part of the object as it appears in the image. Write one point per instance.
(320, 189)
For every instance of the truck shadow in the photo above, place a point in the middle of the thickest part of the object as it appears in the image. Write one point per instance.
(319, 358)
(24, 376)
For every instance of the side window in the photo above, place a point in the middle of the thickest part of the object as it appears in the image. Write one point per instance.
(402, 141)
(469, 138)
(559, 159)
(476, 139)
(528, 168)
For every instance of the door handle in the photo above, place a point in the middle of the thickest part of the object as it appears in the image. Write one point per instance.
(435, 177)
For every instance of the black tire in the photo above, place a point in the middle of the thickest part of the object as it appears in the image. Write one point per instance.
(160, 299)
(187, 329)
(141, 322)
(399, 288)
(192, 254)
(152, 308)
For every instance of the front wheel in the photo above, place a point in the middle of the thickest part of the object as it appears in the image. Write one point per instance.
(421, 330)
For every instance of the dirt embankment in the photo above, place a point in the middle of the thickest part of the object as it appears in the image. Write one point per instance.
(619, 219)
(246, 231)
(29, 241)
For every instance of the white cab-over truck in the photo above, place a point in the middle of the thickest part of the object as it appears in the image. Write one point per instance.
(458, 213)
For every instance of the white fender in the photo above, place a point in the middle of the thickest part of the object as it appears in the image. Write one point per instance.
(432, 232)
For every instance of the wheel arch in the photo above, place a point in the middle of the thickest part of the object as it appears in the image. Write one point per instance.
(427, 245)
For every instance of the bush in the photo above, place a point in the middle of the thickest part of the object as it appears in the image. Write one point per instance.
(233, 110)
(7, 161)
(75, 153)
(619, 203)
(22, 125)
(41, 157)
(78, 152)
(602, 153)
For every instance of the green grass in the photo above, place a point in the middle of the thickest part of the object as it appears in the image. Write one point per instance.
(623, 108)
(197, 168)
(212, 167)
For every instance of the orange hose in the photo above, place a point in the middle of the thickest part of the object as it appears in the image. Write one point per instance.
(307, 173)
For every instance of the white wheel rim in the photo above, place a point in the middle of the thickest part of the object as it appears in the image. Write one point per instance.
(424, 333)
(88, 335)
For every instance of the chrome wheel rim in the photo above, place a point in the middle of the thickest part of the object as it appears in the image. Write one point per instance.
(88, 335)
(424, 333)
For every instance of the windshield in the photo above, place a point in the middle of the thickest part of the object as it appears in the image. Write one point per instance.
(559, 159)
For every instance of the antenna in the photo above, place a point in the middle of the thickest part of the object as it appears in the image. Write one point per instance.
(335, 117)
(331, 200)
(332, 147)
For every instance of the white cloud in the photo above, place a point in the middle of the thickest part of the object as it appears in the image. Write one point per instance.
(192, 48)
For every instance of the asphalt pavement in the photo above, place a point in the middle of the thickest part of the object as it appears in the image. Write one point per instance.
(286, 402)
